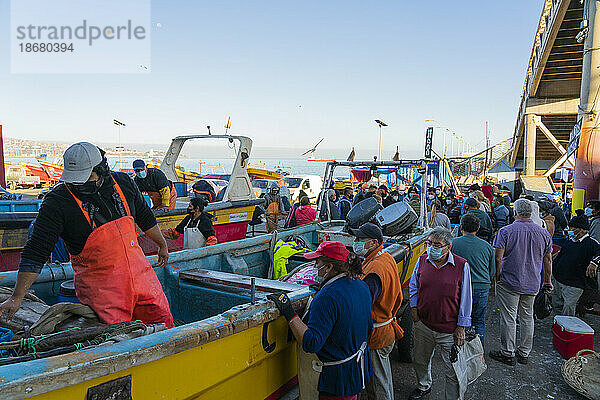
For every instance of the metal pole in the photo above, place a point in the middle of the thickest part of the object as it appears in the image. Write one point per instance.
(587, 161)
(379, 152)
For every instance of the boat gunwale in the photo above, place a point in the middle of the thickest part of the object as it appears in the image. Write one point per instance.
(18, 381)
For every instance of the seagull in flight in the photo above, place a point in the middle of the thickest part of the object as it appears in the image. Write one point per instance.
(314, 148)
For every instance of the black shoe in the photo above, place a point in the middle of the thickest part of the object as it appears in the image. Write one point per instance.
(522, 359)
(418, 394)
(498, 356)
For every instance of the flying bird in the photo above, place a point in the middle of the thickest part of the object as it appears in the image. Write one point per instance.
(143, 66)
(314, 148)
(351, 156)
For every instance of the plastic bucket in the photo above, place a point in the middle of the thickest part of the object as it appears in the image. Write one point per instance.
(180, 188)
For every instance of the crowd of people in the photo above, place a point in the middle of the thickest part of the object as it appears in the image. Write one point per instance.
(522, 248)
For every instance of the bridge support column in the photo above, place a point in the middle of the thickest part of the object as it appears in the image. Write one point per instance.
(587, 162)
(529, 150)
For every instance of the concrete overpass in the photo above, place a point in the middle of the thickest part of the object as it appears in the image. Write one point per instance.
(550, 100)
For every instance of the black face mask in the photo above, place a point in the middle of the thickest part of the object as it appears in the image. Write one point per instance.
(87, 188)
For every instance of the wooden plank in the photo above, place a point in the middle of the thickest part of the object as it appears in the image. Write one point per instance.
(223, 278)
(250, 250)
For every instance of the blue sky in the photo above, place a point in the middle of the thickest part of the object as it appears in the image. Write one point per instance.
(289, 73)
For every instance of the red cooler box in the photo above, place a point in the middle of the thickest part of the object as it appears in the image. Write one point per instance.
(570, 334)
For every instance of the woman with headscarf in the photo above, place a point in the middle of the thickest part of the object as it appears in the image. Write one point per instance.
(488, 192)
(535, 214)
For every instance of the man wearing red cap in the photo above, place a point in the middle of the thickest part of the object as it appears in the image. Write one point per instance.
(381, 276)
(338, 324)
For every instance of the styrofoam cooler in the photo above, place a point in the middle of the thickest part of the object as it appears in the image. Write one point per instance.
(570, 335)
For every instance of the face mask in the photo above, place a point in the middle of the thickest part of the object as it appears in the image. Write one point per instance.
(541, 216)
(141, 174)
(318, 278)
(448, 202)
(434, 253)
(431, 196)
(190, 210)
(88, 188)
(359, 248)
(569, 195)
(571, 235)
(437, 192)
(395, 198)
(588, 211)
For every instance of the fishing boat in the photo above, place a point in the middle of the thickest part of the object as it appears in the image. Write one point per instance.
(54, 171)
(37, 170)
(261, 173)
(231, 216)
(229, 342)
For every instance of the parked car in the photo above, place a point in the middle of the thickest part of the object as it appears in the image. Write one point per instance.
(310, 184)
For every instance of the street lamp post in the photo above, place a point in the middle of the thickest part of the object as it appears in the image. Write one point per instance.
(119, 124)
(381, 124)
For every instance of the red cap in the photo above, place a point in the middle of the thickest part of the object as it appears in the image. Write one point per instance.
(335, 250)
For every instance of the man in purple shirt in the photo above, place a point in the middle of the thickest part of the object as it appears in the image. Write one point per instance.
(441, 302)
(522, 248)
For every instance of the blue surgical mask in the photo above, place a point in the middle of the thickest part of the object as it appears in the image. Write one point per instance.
(588, 211)
(571, 235)
(141, 174)
(359, 248)
(435, 253)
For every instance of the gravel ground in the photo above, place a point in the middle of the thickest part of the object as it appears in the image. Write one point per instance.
(540, 379)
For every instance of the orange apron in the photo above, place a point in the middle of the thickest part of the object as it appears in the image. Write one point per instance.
(113, 276)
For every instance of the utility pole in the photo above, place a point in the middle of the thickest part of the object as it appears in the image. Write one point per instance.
(587, 161)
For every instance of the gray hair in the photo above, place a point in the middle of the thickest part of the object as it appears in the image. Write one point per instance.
(441, 233)
(523, 208)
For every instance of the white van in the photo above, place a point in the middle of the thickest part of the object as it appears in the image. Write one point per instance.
(310, 184)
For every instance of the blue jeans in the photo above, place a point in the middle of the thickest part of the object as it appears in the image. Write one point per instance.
(480, 300)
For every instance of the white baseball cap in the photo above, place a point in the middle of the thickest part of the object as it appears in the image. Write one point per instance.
(79, 160)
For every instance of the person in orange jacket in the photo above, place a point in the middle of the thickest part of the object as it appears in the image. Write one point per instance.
(381, 276)
(196, 228)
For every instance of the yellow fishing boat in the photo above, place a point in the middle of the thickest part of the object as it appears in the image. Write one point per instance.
(231, 342)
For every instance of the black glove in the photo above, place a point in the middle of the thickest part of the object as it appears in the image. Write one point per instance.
(284, 304)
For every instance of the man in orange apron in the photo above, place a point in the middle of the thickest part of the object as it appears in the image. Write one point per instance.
(381, 276)
(95, 211)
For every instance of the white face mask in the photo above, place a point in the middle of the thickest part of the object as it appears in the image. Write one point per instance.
(588, 211)
(431, 196)
(318, 277)
(438, 192)
(359, 248)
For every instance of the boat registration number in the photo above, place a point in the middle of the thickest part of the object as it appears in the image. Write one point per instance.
(237, 217)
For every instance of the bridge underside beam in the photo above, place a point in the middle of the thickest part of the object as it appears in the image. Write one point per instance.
(557, 118)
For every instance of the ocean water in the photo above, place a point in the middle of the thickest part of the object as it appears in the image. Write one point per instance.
(220, 165)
